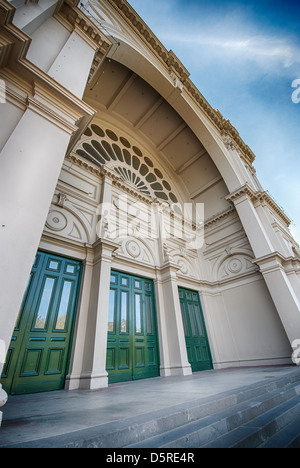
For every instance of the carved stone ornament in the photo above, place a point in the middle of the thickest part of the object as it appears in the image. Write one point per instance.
(133, 248)
(56, 221)
(228, 142)
(61, 199)
(176, 81)
(234, 265)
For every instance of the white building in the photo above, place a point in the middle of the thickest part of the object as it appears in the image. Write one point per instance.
(109, 271)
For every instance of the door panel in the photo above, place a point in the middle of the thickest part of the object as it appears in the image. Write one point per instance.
(197, 344)
(132, 347)
(38, 355)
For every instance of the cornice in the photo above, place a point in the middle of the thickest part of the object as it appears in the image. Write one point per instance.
(173, 64)
(219, 217)
(263, 196)
(244, 190)
(273, 262)
(259, 196)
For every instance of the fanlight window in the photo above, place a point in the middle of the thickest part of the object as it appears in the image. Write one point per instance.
(106, 148)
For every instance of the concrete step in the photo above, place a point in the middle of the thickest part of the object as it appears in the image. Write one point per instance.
(287, 437)
(205, 419)
(260, 429)
(207, 429)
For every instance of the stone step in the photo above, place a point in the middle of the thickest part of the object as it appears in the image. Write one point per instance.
(260, 429)
(287, 437)
(207, 429)
(235, 406)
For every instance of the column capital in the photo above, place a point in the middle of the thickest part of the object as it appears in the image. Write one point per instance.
(270, 262)
(243, 191)
(276, 260)
(257, 197)
(169, 270)
(104, 249)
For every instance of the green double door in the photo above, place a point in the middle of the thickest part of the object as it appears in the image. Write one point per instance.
(132, 344)
(197, 344)
(38, 355)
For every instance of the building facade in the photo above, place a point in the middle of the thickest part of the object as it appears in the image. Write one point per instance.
(136, 239)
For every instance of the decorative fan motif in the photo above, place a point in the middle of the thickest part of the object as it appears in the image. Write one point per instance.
(106, 148)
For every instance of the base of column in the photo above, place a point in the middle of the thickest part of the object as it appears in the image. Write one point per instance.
(3, 400)
(87, 382)
(173, 371)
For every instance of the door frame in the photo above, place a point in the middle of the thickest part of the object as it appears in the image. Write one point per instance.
(198, 324)
(129, 374)
(32, 294)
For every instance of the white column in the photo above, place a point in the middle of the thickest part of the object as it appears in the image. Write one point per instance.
(72, 66)
(76, 369)
(283, 294)
(3, 395)
(275, 236)
(176, 360)
(253, 226)
(164, 353)
(271, 264)
(30, 164)
(95, 375)
(292, 269)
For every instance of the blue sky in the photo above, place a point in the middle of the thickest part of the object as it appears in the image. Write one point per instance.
(243, 57)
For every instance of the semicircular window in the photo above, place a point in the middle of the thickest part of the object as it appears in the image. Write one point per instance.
(105, 148)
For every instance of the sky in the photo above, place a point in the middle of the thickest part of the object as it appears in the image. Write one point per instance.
(244, 57)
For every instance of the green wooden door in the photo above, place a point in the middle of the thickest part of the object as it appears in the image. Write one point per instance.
(38, 355)
(132, 345)
(195, 333)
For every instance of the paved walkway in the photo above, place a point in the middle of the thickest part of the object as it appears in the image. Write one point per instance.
(35, 416)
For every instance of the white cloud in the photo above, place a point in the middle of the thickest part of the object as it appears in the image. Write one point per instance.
(266, 47)
(263, 49)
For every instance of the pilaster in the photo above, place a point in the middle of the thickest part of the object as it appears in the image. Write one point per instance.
(74, 377)
(94, 374)
(175, 360)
